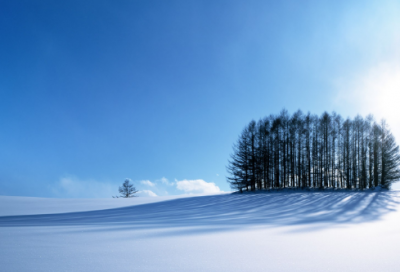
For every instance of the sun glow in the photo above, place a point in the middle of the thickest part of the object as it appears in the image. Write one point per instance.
(376, 91)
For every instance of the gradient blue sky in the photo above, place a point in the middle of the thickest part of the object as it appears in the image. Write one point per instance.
(93, 92)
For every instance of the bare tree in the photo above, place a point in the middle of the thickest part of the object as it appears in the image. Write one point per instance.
(127, 190)
(310, 151)
(390, 157)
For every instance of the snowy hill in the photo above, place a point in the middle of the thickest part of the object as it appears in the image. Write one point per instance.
(319, 231)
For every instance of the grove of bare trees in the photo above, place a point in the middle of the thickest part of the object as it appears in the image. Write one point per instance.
(310, 151)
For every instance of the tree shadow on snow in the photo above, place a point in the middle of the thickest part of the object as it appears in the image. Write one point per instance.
(230, 211)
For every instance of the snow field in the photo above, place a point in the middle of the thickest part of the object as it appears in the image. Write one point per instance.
(345, 231)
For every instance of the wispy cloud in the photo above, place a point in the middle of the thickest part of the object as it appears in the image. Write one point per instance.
(147, 183)
(197, 186)
(165, 181)
(146, 193)
(159, 187)
(73, 187)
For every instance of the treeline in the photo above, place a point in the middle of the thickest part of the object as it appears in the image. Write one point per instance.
(310, 151)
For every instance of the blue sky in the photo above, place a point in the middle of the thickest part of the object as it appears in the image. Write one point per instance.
(93, 92)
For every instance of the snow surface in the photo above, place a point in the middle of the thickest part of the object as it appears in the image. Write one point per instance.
(284, 231)
(15, 205)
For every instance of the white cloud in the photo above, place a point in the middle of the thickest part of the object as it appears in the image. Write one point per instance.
(148, 183)
(197, 186)
(146, 193)
(71, 186)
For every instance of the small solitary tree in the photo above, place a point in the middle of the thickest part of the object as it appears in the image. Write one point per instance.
(127, 189)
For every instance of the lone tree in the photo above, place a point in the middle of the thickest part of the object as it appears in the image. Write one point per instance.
(127, 189)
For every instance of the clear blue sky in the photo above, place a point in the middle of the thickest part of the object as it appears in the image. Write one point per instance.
(93, 92)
